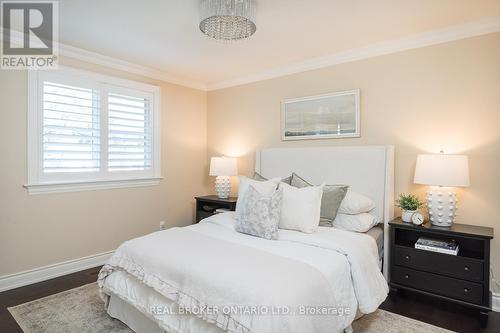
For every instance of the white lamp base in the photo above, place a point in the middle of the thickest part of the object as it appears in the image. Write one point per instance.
(442, 205)
(223, 186)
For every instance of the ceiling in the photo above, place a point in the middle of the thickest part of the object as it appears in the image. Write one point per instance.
(164, 34)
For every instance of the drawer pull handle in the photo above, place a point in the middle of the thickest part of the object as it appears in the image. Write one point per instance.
(407, 276)
(466, 290)
(407, 257)
(208, 208)
(466, 268)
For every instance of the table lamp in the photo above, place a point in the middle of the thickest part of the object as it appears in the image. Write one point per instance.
(442, 172)
(223, 168)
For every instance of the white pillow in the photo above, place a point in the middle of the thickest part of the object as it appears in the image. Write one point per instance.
(300, 208)
(265, 188)
(355, 203)
(358, 223)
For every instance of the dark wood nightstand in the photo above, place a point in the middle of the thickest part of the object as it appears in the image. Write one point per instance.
(206, 205)
(463, 278)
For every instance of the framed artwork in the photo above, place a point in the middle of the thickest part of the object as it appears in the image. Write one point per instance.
(328, 116)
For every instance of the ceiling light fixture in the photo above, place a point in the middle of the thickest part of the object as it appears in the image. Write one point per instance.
(228, 20)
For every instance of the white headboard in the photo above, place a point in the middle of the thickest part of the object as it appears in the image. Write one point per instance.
(366, 169)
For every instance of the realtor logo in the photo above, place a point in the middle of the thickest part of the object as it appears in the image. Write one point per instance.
(29, 34)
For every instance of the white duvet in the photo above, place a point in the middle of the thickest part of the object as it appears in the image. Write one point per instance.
(240, 283)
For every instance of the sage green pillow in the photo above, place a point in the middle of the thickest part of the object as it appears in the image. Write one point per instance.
(259, 177)
(330, 201)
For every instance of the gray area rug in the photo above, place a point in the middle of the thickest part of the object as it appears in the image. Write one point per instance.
(388, 322)
(81, 310)
(75, 310)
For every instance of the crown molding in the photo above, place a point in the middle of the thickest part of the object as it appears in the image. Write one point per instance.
(115, 63)
(438, 36)
(73, 52)
(434, 37)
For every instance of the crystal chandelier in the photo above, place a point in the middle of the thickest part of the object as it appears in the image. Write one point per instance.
(228, 20)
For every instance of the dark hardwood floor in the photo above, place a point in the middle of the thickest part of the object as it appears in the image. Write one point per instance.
(419, 307)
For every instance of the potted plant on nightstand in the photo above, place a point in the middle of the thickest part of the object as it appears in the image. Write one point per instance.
(409, 203)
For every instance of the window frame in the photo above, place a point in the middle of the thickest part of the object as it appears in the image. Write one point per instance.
(40, 182)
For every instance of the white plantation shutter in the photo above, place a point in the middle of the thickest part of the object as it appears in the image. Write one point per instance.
(71, 132)
(129, 133)
(88, 131)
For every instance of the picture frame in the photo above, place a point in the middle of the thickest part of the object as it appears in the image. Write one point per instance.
(327, 116)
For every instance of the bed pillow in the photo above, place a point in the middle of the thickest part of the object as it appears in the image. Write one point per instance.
(258, 176)
(356, 203)
(259, 215)
(358, 223)
(330, 201)
(266, 188)
(300, 208)
(325, 222)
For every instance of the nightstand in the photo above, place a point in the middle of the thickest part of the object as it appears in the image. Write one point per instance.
(207, 205)
(463, 278)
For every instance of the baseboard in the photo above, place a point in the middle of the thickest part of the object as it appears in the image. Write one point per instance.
(51, 271)
(495, 302)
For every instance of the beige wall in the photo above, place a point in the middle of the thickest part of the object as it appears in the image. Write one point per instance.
(38, 230)
(440, 97)
(424, 100)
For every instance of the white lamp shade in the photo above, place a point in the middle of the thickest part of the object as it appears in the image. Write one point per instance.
(223, 166)
(442, 170)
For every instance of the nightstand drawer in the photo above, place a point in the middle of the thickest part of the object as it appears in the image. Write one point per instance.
(453, 266)
(445, 286)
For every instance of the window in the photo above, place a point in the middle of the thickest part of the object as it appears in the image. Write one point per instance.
(89, 131)
(129, 133)
(70, 129)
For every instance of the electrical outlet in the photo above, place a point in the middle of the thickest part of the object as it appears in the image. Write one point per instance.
(162, 225)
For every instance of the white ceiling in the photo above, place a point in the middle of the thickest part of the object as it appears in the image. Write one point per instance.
(164, 34)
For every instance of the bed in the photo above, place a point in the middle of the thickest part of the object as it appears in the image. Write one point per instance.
(209, 278)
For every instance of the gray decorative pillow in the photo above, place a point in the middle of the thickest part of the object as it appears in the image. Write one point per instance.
(325, 222)
(260, 215)
(330, 202)
(259, 177)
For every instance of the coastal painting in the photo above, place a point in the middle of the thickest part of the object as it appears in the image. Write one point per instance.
(334, 115)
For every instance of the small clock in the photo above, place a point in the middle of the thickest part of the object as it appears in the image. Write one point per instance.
(417, 218)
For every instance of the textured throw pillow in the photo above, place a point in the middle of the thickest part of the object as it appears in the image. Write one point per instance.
(266, 188)
(356, 203)
(325, 222)
(259, 215)
(300, 208)
(331, 200)
(358, 223)
(258, 176)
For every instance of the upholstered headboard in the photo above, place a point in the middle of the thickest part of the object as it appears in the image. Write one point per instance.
(366, 169)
